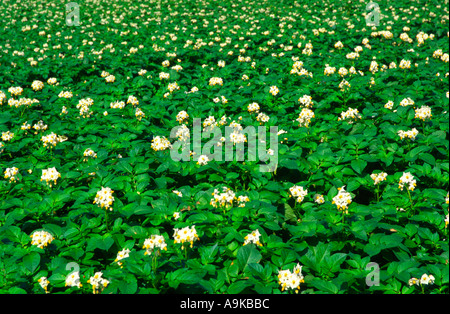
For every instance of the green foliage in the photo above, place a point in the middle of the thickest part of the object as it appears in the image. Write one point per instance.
(403, 231)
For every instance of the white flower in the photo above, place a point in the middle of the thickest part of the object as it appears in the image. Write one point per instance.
(7, 136)
(73, 280)
(406, 102)
(427, 279)
(202, 160)
(89, 153)
(43, 282)
(41, 238)
(98, 281)
(121, 255)
(423, 113)
(10, 173)
(262, 117)
(305, 116)
(298, 192)
(273, 90)
(378, 177)
(342, 199)
(319, 199)
(104, 198)
(160, 143)
(132, 100)
(407, 178)
(117, 104)
(225, 198)
(253, 107)
(182, 116)
(411, 134)
(186, 234)
(253, 237)
(306, 101)
(65, 94)
(37, 85)
(155, 241)
(291, 280)
(215, 81)
(389, 105)
(350, 115)
(50, 174)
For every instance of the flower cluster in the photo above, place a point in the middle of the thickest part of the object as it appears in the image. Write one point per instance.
(378, 177)
(407, 102)
(306, 101)
(424, 280)
(89, 153)
(139, 114)
(15, 91)
(411, 134)
(164, 76)
(202, 160)
(52, 81)
(43, 282)
(73, 280)
(253, 107)
(104, 198)
(305, 116)
(110, 78)
(155, 241)
(350, 115)
(407, 179)
(122, 255)
(160, 143)
(291, 280)
(319, 199)
(342, 199)
(117, 104)
(173, 87)
(224, 199)
(40, 126)
(215, 81)
(253, 237)
(41, 238)
(50, 175)
(7, 136)
(186, 234)
(298, 192)
(262, 118)
(132, 100)
(423, 113)
(65, 94)
(274, 90)
(52, 139)
(84, 105)
(37, 85)
(98, 281)
(10, 173)
(182, 116)
(344, 85)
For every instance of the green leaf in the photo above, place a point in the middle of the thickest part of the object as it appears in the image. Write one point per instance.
(31, 261)
(247, 254)
(428, 158)
(238, 286)
(136, 232)
(324, 286)
(358, 165)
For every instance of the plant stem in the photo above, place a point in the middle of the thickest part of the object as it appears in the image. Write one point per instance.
(106, 219)
(410, 199)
